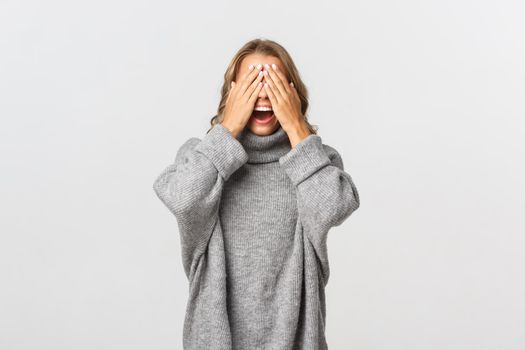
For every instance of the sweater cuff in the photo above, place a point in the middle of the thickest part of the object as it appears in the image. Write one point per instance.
(223, 150)
(304, 159)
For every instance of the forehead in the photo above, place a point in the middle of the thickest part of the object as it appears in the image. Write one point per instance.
(255, 59)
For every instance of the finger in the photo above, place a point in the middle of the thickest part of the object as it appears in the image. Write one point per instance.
(248, 79)
(294, 91)
(254, 85)
(271, 95)
(282, 77)
(255, 93)
(278, 82)
(230, 92)
(275, 91)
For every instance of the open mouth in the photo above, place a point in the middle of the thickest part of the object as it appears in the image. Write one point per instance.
(262, 117)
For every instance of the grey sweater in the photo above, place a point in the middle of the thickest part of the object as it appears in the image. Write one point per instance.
(253, 216)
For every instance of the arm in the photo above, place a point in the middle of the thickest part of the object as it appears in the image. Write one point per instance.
(326, 194)
(191, 187)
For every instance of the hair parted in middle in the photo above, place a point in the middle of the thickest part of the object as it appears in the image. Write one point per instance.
(265, 47)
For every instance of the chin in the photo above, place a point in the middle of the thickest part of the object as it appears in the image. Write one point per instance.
(263, 130)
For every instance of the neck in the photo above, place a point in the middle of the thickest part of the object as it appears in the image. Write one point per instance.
(264, 148)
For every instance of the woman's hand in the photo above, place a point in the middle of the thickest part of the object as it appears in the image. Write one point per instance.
(286, 104)
(241, 100)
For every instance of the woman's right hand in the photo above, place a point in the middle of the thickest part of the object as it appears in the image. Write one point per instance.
(241, 100)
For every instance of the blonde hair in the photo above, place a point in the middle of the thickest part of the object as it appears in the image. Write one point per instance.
(269, 48)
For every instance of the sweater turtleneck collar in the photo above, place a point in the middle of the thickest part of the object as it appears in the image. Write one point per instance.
(264, 148)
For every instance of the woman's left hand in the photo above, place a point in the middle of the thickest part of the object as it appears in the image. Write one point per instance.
(285, 100)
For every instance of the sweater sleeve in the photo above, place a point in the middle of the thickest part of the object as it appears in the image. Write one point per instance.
(326, 194)
(191, 187)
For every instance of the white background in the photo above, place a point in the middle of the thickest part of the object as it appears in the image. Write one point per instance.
(423, 99)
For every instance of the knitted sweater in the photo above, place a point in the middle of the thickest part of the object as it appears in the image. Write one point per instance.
(253, 216)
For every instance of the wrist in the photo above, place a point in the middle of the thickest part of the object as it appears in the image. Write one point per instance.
(297, 132)
(233, 129)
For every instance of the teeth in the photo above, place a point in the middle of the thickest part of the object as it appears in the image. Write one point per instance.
(263, 109)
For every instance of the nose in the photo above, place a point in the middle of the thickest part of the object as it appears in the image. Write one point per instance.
(263, 96)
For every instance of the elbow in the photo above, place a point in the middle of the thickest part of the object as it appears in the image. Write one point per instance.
(161, 187)
(353, 200)
(167, 191)
(179, 197)
(352, 205)
(350, 201)
(348, 204)
(157, 187)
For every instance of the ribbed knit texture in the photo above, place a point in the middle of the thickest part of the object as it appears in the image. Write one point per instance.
(253, 216)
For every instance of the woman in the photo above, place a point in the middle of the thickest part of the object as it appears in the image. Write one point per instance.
(254, 200)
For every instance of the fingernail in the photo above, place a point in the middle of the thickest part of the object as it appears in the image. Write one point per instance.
(250, 67)
(267, 66)
(274, 66)
(259, 67)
